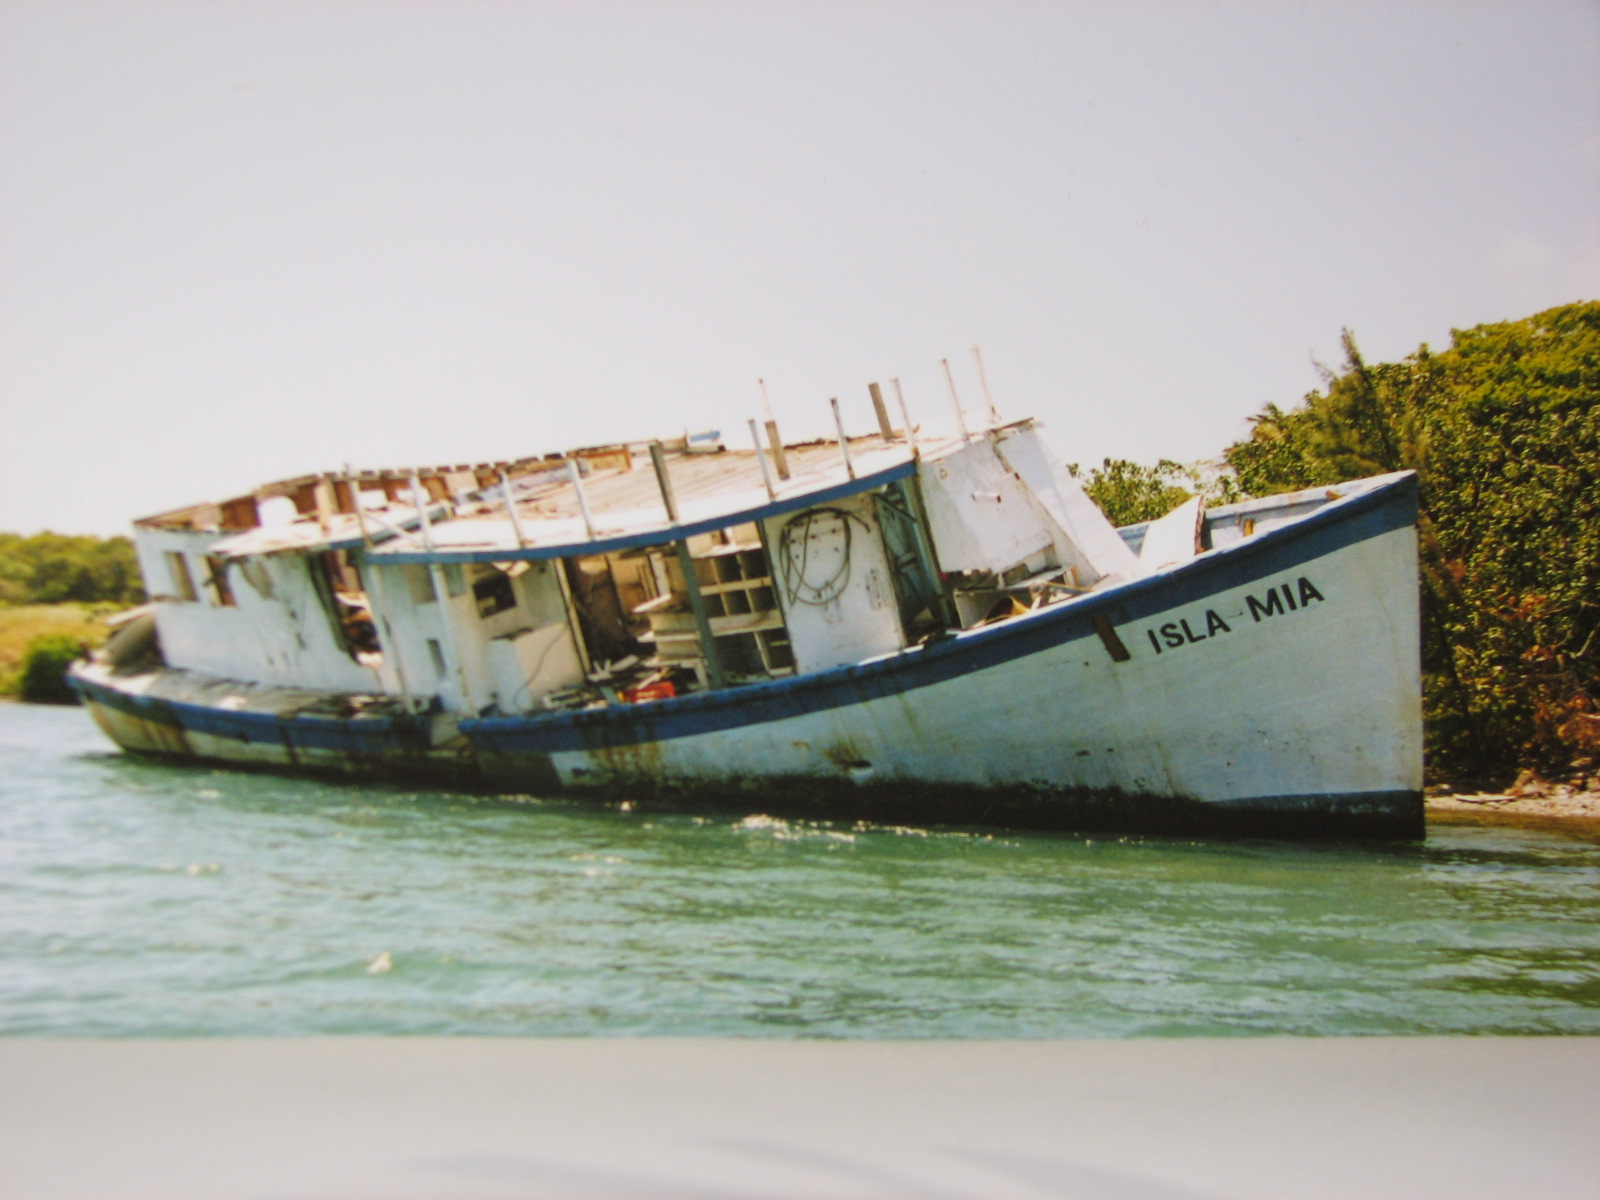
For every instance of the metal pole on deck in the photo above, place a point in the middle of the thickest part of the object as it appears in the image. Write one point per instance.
(983, 378)
(961, 420)
(773, 440)
(697, 602)
(844, 442)
(441, 597)
(583, 501)
(658, 460)
(905, 417)
(511, 509)
(377, 596)
(766, 473)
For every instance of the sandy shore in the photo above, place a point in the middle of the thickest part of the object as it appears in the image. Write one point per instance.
(1570, 809)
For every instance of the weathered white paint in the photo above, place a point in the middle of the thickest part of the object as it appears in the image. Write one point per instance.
(277, 633)
(1173, 538)
(981, 515)
(864, 620)
(1086, 540)
(523, 666)
(279, 636)
(521, 654)
(1321, 700)
(1216, 701)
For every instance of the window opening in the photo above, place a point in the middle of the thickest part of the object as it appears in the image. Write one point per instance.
(182, 581)
(337, 584)
(635, 617)
(494, 593)
(734, 576)
(217, 581)
(419, 583)
(917, 589)
(600, 612)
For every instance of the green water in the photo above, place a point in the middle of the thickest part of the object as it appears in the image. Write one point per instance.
(141, 899)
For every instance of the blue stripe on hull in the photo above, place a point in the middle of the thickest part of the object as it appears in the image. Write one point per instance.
(1265, 556)
(361, 737)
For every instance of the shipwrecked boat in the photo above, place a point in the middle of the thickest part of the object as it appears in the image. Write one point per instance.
(895, 626)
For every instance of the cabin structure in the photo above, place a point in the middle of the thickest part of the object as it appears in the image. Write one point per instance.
(618, 574)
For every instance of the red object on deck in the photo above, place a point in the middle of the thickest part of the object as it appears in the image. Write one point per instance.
(663, 690)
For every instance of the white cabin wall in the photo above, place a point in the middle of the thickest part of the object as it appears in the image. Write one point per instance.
(398, 632)
(510, 658)
(1086, 538)
(981, 515)
(527, 651)
(864, 620)
(413, 620)
(280, 639)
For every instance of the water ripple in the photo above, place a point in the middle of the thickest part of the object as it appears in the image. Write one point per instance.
(144, 899)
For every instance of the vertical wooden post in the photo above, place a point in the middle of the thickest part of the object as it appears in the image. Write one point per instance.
(322, 494)
(511, 509)
(691, 584)
(884, 428)
(355, 503)
(905, 417)
(658, 460)
(583, 501)
(773, 440)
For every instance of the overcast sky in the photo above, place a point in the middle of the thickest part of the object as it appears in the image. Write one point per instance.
(245, 241)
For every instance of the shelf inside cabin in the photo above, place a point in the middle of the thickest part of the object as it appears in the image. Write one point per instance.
(736, 586)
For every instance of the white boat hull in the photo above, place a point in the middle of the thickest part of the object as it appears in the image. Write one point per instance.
(1271, 685)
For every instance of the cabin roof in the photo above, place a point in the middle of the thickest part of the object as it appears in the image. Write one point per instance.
(713, 489)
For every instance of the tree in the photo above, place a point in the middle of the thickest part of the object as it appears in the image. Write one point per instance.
(1503, 430)
(52, 568)
(1129, 492)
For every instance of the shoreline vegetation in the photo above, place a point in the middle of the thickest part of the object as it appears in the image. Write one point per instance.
(38, 641)
(1503, 431)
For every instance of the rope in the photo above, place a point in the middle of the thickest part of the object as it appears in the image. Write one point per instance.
(796, 559)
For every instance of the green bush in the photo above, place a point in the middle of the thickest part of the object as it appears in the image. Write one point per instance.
(54, 568)
(1503, 430)
(44, 668)
(1129, 492)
